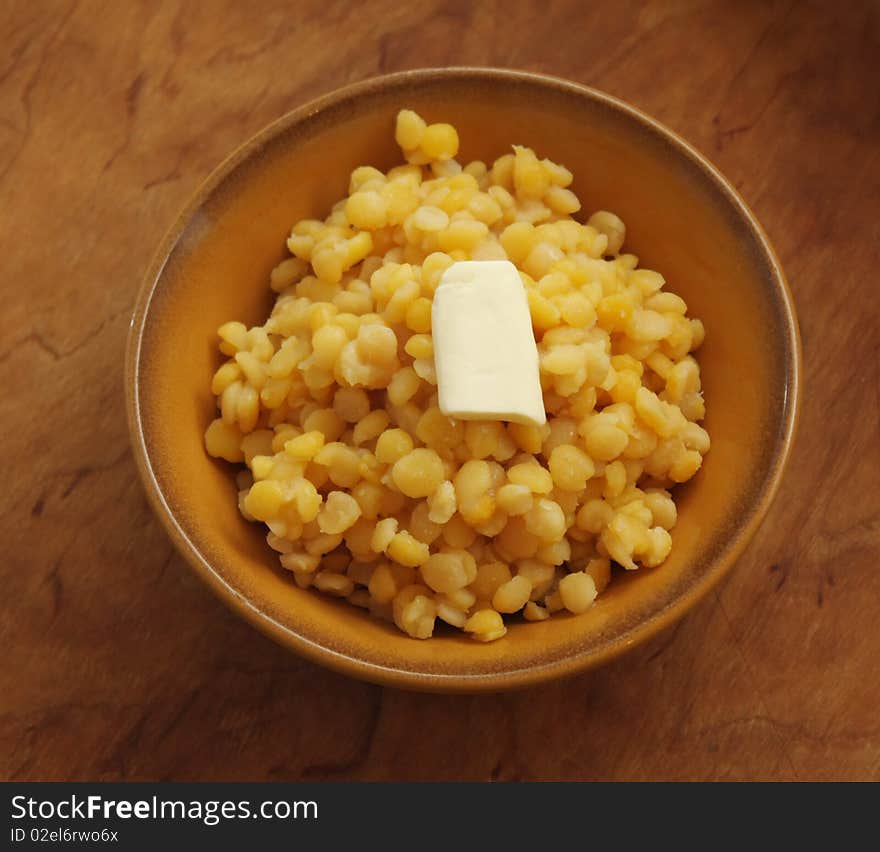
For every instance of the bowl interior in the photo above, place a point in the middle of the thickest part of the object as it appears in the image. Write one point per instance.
(681, 221)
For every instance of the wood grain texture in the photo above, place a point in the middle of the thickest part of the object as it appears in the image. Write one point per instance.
(118, 664)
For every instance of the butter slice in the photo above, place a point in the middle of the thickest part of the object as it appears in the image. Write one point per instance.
(484, 348)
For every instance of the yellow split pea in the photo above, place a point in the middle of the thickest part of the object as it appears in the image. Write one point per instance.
(368, 491)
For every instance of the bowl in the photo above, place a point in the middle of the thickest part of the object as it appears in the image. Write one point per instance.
(683, 219)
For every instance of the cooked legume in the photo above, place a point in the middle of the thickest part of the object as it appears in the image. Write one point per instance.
(368, 491)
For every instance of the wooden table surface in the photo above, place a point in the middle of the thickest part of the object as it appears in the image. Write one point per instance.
(119, 664)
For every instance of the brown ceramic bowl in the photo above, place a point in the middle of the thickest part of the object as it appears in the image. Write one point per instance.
(683, 219)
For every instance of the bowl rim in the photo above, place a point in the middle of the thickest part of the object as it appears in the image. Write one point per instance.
(477, 681)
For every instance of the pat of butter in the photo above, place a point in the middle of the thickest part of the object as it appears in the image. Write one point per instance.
(484, 347)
